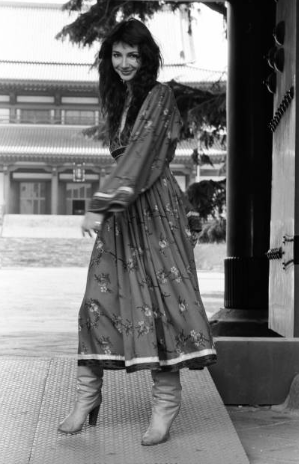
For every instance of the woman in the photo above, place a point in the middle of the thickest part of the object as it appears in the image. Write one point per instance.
(142, 308)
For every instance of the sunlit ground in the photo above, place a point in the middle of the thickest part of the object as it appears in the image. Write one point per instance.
(39, 307)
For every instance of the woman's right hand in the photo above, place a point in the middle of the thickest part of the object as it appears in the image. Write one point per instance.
(92, 222)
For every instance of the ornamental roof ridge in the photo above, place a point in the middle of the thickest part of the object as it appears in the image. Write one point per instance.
(44, 5)
(69, 139)
(167, 65)
(50, 63)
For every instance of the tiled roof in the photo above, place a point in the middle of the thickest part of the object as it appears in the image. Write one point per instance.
(48, 72)
(29, 51)
(191, 75)
(77, 73)
(30, 31)
(39, 141)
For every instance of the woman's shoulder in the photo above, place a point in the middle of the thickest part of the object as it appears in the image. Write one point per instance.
(161, 88)
(160, 92)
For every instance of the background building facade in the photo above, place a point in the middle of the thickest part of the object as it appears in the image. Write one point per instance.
(49, 94)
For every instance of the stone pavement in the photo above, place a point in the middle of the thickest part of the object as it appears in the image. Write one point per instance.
(38, 310)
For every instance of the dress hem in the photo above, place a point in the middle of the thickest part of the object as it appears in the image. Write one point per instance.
(110, 364)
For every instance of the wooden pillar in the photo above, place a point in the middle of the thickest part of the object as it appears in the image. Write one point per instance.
(250, 27)
(54, 191)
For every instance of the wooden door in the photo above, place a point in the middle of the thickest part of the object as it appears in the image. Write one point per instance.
(283, 283)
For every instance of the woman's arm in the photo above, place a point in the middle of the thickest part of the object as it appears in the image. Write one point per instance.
(154, 135)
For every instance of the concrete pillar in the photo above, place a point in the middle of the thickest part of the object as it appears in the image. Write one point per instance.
(54, 191)
(102, 177)
(250, 27)
(7, 187)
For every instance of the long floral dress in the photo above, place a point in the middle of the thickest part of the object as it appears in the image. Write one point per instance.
(142, 307)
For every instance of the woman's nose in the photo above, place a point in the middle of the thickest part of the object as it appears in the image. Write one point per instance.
(124, 61)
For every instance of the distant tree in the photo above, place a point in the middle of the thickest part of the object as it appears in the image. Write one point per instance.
(208, 198)
(214, 231)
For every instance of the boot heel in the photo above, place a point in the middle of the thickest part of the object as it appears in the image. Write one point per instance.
(93, 416)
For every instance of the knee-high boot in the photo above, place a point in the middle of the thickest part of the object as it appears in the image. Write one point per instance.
(166, 405)
(89, 399)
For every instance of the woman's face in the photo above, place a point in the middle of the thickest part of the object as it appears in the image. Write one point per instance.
(125, 60)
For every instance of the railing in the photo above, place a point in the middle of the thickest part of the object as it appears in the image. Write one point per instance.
(72, 121)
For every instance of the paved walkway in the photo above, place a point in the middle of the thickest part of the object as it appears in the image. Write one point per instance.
(38, 311)
(40, 392)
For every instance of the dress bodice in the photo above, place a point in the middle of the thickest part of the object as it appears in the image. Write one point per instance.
(142, 151)
(120, 141)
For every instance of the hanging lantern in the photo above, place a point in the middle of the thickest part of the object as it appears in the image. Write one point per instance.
(78, 173)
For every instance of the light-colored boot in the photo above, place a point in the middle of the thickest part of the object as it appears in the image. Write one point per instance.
(166, 405)
(89, 399)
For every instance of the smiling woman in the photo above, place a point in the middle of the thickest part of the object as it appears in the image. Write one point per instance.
(125, 60)
(142, 308)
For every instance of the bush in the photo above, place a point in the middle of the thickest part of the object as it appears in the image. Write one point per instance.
(208, 198)
(214, 231)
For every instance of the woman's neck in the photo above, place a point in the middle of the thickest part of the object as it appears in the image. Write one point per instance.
(129, 89)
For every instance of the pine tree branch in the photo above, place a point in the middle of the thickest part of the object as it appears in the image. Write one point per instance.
(101, 17)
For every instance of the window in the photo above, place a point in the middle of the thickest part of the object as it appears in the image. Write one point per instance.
(4, 115)
(35, 116)
(79, 117)
(77, 196)
(32, 197)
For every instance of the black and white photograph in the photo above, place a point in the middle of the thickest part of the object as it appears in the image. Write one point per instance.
(149, 232)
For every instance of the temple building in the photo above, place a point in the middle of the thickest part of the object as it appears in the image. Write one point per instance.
(49, 94)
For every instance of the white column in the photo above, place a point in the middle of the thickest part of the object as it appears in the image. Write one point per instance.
(102, 177)
(54, 191)
(6, 189)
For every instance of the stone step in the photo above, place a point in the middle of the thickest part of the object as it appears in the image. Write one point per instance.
(45, 252)
(65, 252)
(41, 226)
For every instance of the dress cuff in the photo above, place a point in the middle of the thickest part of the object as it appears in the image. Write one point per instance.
(113, 202)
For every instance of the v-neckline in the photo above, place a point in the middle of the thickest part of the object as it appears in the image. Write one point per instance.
(124, 116)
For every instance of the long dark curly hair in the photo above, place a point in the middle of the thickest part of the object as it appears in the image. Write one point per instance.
(112, 90)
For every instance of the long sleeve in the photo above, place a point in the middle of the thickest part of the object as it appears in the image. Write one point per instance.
(151, 145)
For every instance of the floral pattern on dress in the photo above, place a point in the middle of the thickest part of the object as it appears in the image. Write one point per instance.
(142, 307)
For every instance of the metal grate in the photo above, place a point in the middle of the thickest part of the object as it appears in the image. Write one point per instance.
(37, 393)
